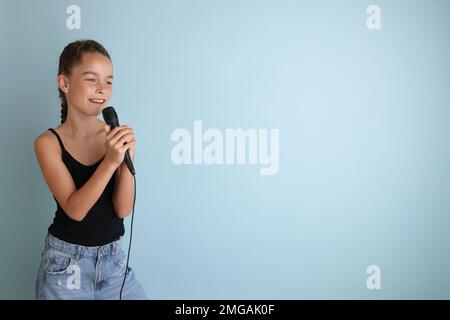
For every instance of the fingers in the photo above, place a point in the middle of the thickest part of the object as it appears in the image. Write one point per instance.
(111, 133)
(119, 134)
(128, 145)
(125, 139)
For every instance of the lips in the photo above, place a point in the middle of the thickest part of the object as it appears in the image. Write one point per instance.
(97, 101)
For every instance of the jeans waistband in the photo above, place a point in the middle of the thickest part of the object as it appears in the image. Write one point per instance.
(111, 248)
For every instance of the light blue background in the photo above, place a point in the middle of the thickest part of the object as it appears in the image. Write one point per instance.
(364, 143)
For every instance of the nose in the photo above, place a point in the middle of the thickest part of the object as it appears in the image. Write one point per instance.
(100, 88)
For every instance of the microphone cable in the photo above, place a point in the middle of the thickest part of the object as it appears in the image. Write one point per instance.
(131, 236)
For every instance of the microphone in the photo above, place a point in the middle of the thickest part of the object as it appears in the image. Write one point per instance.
(111, 119)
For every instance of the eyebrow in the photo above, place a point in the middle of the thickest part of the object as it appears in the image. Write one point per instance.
(94, 73)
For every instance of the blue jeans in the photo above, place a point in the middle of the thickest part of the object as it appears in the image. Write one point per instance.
(70, 271)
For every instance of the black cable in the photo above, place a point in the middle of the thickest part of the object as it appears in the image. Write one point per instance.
(131, 235)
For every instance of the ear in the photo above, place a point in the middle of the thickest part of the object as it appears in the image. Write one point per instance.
(63, 82)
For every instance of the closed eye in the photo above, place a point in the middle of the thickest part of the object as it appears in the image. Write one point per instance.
(93, 80)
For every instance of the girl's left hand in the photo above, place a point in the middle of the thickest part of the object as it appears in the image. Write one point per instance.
(132, 143)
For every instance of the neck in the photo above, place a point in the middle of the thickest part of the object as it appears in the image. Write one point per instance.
(80, 125)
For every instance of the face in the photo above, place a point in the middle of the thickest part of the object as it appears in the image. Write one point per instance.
(89, 87)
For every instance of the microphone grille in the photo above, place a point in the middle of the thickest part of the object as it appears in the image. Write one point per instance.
(109, 114)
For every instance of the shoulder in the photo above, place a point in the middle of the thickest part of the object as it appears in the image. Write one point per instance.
(45, 141)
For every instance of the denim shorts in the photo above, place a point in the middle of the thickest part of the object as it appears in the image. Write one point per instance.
(70, 271)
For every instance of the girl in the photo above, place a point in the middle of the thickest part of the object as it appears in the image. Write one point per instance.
(82, 164)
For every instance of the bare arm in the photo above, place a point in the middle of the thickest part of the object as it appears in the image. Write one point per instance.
(76, 203)
(82, 200)
(123, 195)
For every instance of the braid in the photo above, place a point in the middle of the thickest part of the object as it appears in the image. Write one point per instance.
(63, 106)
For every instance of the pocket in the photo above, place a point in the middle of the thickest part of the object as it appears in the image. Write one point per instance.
(57, 264)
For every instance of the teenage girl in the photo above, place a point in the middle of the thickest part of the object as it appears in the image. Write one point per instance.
(82, 163)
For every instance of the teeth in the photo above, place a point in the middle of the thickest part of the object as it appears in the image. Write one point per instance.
(97, 101)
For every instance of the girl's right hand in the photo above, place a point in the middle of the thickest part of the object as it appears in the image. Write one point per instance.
(114, 143)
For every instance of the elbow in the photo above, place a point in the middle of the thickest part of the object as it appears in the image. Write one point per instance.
(75, 215)
(122, 213)
(78, 217)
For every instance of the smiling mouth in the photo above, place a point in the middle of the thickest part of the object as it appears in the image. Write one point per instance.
(97, 101)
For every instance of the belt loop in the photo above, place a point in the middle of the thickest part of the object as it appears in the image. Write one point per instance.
(114, 248)
(77, 252)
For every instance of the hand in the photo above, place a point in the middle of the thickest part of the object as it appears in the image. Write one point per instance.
(117, 141)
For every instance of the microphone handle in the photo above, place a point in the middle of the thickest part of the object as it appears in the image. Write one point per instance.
(127, 159)
(129, 163)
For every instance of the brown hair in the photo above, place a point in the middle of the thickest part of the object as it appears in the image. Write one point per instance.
(72, 56)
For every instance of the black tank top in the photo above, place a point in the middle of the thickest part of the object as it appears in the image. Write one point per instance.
(101, 225)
